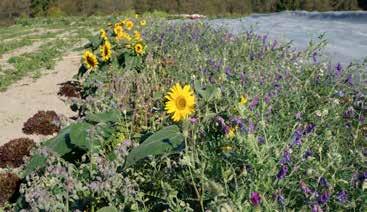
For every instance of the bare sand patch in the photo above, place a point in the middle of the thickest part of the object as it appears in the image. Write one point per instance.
(28, 96)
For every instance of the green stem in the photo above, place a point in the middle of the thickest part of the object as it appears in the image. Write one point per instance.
(190, 171)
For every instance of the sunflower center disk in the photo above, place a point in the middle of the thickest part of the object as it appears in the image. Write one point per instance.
(90, 61)
(181, 103)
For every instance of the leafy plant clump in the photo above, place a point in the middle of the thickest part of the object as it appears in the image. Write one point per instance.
(9, 184)
(12, 153)
(204, 120)
(70, 89)
(43, 123)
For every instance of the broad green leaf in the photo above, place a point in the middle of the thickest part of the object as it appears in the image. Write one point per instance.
(79, 135)
(37, 161)
(61, 143)
(110, 116)
(108, 209)
(209, 93)
(168, 140)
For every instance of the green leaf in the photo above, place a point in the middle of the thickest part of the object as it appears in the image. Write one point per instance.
(37, 161)
(168, 140)
(108, 209)
(61, 143)
(110, 116)
(209, 93)
(79, 135)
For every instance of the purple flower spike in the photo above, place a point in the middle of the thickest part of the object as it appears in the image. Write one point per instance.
(309, 129)
(261, 140)
(286, 157)
(361, 119)
(338, 70)
(307, 154)
(220, 121)
(267, 99)
(238, 121)
(281, 199)
(349, 80)
(323, 182)
(306, 190)
(297, 137)
(255, 198)
(251, 127)
(254, 103)
(227, 70)
(282, 172)
(324, 198)
(342, 196)
(316, 208)
(349, 113)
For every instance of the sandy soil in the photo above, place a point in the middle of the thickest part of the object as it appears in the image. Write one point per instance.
(25, 98)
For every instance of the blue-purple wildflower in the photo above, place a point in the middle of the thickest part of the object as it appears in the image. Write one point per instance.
(349, 113)
(307, 154)
(309, 129)
(282, 172)
(349, 80)
(286, 158)
(261, 140)
(324, 198)
(254, 103)
(267, 98)
(227, 70)
(255, 198)
(323, 182)
(342, 196)
(316, 208)
(306, 190)
(297, 137)
(251, 127)
(338, 70)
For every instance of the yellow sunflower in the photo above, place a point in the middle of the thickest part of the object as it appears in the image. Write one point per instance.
(103, 34)
(129, 24)
(90, 60)
(143, 22)
(106, 51)
(181, 102)
(137, 36)
(118, 29)
(139, 49)
(231, 133)
(126, 36)
(243, 100)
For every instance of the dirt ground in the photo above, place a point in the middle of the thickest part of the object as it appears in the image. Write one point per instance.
(26, 97)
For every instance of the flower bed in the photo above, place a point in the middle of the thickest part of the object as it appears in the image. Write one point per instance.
(234, 123)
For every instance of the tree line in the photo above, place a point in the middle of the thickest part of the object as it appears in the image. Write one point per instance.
(33, 8)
